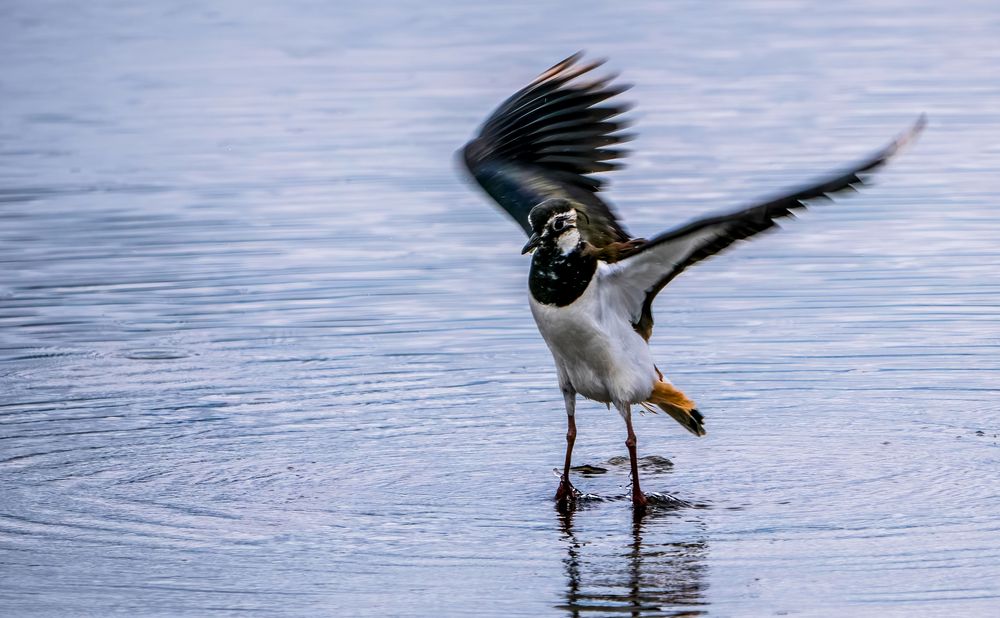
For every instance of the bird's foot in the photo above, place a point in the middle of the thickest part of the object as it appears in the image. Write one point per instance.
(566, 493)
(639, 500)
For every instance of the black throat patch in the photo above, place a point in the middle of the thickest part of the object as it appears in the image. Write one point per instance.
(558, 279)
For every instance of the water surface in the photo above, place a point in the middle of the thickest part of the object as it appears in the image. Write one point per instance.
(264, 351)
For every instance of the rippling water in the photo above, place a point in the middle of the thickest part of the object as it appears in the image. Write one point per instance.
(264, 351)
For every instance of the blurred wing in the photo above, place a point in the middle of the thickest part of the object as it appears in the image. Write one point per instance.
(546, 141)
(641, 275)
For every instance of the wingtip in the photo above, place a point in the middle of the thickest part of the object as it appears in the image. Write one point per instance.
(910, 135)
(571, 68)
(558, 67)
(903, 141)
(568, 61)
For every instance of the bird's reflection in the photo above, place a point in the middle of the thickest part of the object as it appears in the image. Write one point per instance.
(635, 575)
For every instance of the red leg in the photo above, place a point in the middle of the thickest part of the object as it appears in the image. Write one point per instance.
(638, 498)
(566, 493)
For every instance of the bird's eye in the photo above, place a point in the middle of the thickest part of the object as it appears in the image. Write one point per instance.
(558, 225)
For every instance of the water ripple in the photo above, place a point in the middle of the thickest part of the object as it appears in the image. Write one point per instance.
(261, 351)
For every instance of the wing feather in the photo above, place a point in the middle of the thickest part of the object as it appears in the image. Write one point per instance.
(643, 273)
(547, 140)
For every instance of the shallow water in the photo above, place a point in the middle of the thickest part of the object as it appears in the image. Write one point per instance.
(264, 351)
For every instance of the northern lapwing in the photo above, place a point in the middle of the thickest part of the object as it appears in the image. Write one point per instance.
(591, 283)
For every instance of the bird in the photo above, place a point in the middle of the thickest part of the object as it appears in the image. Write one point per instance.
(591, 284)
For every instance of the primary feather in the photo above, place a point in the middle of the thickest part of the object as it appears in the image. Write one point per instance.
(653, 264)
(546, 141)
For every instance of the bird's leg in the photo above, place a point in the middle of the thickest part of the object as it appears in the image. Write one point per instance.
(638, 498)
(566, 491)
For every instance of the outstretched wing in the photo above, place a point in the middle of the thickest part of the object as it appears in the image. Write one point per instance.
(545, 142)
(641, 275)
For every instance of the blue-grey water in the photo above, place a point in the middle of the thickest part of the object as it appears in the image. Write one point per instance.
(263, 351)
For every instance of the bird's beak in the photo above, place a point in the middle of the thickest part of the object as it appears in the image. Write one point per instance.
(532, 244)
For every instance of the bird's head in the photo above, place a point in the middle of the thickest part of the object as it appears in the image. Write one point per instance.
(554, 222)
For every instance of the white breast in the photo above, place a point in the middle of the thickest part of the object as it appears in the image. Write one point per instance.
(595, 346)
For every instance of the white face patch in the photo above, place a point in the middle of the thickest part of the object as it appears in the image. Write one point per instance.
(569, 240)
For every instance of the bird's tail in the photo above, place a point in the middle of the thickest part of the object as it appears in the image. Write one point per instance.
(678, 406)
